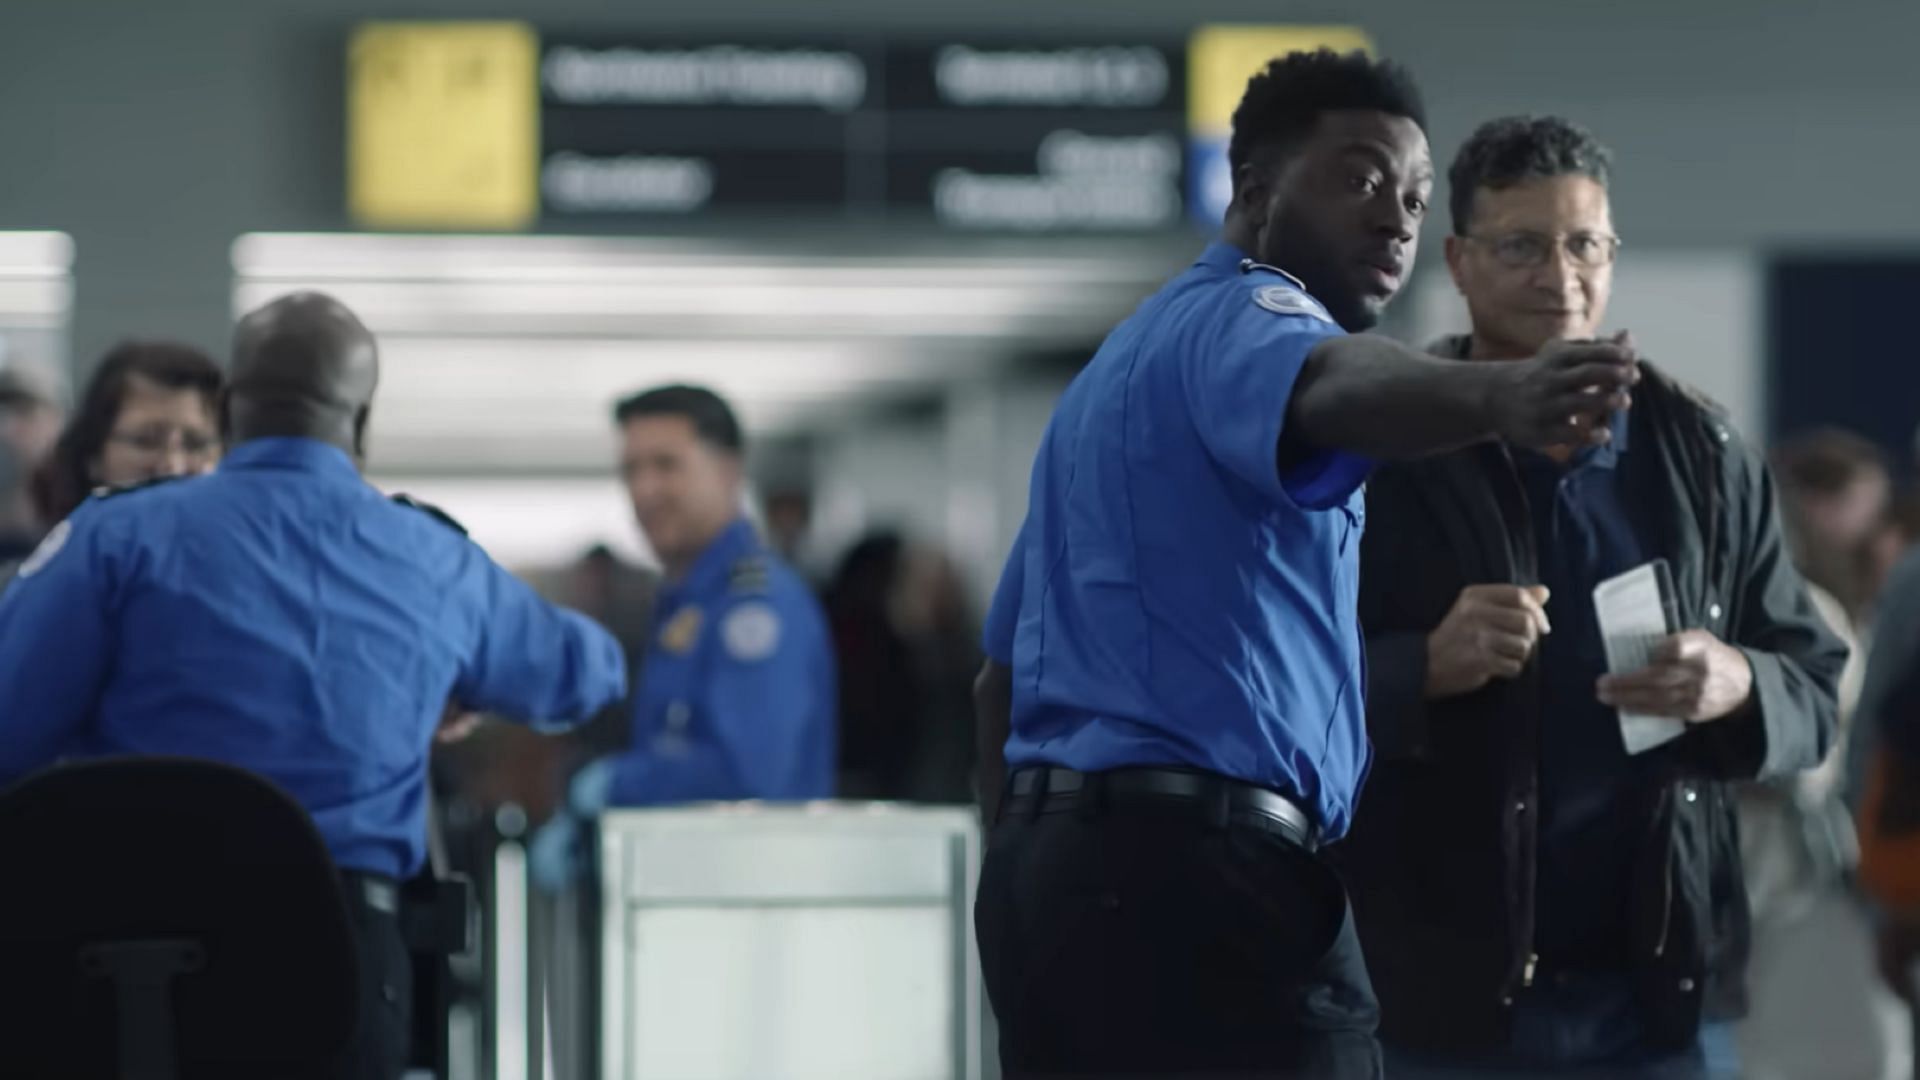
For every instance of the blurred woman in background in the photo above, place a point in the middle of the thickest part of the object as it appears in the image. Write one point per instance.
(150, 411)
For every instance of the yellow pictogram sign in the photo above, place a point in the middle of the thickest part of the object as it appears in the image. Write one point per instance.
(443, 126)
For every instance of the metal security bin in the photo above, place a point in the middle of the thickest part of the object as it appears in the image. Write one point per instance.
(759, 942)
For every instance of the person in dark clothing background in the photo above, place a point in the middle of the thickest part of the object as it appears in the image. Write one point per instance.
(1529, 893)
(907, 653)
(879, 692)
(945, 633)
(29, 423)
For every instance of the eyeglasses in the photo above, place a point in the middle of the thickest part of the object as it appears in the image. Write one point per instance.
(1528, 250)
(155, 441)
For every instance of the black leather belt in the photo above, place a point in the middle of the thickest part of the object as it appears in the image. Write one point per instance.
(1037, 790)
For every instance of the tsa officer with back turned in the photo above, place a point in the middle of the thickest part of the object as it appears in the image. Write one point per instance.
(283, 616)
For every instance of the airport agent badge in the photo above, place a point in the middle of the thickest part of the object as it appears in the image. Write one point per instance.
(681, 631)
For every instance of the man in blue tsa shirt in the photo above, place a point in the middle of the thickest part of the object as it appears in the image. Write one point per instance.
(283, 616)
(1176, 673)
(737, 697)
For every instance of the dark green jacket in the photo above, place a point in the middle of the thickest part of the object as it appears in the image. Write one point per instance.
(1441, 859)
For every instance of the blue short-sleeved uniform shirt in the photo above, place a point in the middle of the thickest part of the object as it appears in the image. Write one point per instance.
(739, 697)
(283, 616)
(1172, 599)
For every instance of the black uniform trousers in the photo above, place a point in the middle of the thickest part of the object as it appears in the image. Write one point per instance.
(1156, 938)
(382, 1039)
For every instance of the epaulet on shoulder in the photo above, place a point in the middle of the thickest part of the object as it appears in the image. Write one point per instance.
(748, 575)
(107, 492)
(431, 511)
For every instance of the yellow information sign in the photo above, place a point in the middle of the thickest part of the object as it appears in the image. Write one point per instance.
(443, 125)
(1220, 60)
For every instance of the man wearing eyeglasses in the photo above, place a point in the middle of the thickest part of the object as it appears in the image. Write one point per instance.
(1530, 893)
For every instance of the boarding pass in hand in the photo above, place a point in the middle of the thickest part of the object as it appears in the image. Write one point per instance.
(1636, 612)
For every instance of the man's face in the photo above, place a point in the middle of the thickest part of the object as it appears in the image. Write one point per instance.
(1536, 263)
(1342, 210)
(685, 491)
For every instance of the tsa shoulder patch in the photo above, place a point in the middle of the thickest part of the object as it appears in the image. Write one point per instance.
(751, 631)
(1287, 300)
(431, 511)
(48, 548)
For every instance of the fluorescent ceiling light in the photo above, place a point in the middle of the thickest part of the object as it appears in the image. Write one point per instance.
(522, 258)
(36, 254)
(43, 303)
(507, 351)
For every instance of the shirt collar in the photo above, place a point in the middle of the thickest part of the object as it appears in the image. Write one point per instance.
(1608, 455)
(295, 454)
(716, 561)
(1229, 259)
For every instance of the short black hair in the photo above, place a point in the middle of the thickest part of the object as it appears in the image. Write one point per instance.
(712, 417)
(1504, 152)
(1284, 100)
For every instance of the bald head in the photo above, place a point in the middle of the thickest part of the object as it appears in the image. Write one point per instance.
(303, 366)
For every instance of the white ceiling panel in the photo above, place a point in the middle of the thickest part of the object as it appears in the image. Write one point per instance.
(507, 352)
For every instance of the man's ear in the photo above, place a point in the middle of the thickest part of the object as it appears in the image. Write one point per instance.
(1252, 194)
(1456, 261)
(360, 420)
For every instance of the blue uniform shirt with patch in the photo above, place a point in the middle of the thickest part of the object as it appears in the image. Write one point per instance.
(739, 697)
(1172, 599)
(283, 616)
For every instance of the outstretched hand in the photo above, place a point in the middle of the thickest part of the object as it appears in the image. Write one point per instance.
(1566, 395)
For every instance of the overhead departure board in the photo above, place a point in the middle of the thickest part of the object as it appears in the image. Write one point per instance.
(1007, 135)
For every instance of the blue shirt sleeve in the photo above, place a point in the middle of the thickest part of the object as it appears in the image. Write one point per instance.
(532, 660)
(766, 714)
(1238, 383)
(1004, 614)
(56, 645)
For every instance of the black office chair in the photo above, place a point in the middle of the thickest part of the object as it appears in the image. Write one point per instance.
(168, 919)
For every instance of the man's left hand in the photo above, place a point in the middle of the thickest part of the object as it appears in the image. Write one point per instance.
(1691, 676)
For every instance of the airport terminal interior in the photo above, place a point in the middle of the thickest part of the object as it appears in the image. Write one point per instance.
(890, 235)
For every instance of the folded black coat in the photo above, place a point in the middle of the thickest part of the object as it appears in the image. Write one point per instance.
(1442, 856)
